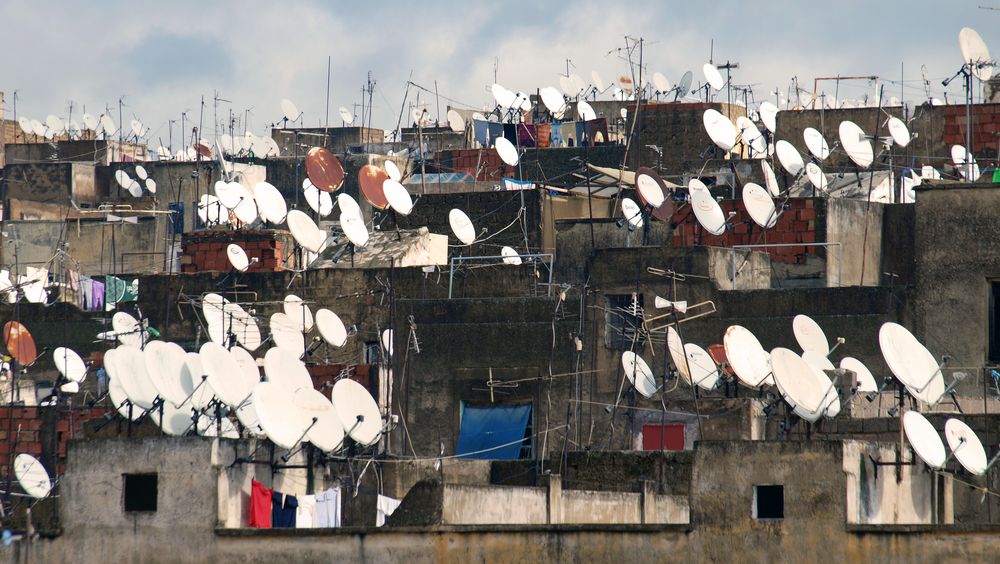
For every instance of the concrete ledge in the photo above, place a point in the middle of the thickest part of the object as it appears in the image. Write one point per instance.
(923, 529)
(474, 529)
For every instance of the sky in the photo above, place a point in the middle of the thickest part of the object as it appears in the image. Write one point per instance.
(161, 59)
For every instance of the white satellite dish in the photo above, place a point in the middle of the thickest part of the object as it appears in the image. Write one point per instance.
(585, 111)
(331, 328)
(911, 363)
(89, 121)
(713, 76)
(387, 335)
(455, 121)
(289, 110)
(924, 439)
(510, 256)
(298, 312)
(706, 210)
(810, 335)
(752, 137)
(392, 170)
(649, 189)
(768, 114)
(237, 257)
(279, 417)
(748, 359)
(319, 201)
(759, 205)
(348, 205)
(207, 426)
(397, 196)
(31, 475)
(357, 411)
(816, 143)
(692, 362)
(866, 382)
(789, 157)
(130, 370)
(150, 185)
(174, 422)
(975, 53)
(224, 374)
(327, 431)
(270, 203)
(898, 131)
(632, 212)
(958, 157)
(770, 180)
(283, 367)
(806, 390)
(720, 129)
(815, 175)
(305, 232)
(462, 226)
(506, 150)
(552, 99)
(856, 144)
(69, 364)
(639, 374)
(966, 446)
(346, 116)
(127, 329)
(660, 82)
(354, 229)
(286, 334)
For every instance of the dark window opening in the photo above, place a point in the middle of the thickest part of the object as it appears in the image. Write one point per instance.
(373, 352)
(140, 492)
(623, 322)
(769, 502)
(994, 313)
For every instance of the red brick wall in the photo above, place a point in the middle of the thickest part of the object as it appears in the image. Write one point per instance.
(800, 223)
(985, 127)
(25, 424)
(206, 250)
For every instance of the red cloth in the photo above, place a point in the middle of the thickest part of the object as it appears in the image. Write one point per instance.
(260, 505)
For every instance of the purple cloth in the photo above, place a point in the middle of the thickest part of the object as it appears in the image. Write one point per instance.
(97, 295)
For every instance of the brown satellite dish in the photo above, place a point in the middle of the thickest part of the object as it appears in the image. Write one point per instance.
(324, 169)
(371, 178)
(20, 343)
(202, 150)
(666, 209)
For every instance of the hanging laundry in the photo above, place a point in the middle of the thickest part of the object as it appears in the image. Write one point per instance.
(526, 135)
(328, 508)
(597, 131)
(496, 130)
(481, 132)
(97, 295)
(283, 510)
(510, 132)
(305, 515)
(581, 134)
(385, 507)
(568, 132)
(260, 505)
(544, 133)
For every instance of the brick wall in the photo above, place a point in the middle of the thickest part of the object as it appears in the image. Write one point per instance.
(207, 250)
(802, 222)
(985, 127)
(24, 430)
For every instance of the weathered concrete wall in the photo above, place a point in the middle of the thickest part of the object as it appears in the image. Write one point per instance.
(471, 505)
(857, 226)
(875, 496)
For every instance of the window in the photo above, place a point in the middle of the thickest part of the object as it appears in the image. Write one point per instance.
(669, 436)
(372, 352)
(994, 321)
(623, 322)
(140, 492)
(769, 502)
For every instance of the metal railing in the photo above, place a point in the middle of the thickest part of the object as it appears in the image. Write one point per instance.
(840, 256)
(455, 260)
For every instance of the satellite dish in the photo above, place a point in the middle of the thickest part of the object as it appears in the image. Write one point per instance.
(25, 124)
(911, 363)
(348, 205)
(866, 382)
(207, 426)
(510, 256)
(174, 422)
(975, 53)
(806, 390)
(958, 157)
(712, 76)
(506, 150)
(331, 328)
(237, 257)
(816, 143)
(298, 312)
(751, 137)
(54, 124)
(387, 341)
(598, 82)
(224, 374)
(924, 439)
(769, 115)
(130, 370)
(284, 368)
(392, 170)
(354, 228)
(279, 417)
(706, 210)
(127, 329)
(346, 116)
(503, 97)
(685, 85)
(203, 393)
(31, 475)
(632, 212)
(789, 157)
(898, 131)
(286, 334)
(455, 121)
(399, 199)
(856, 144)
(358, 412)
(324, 169)
(649, 189)
(966, 445)
(817, 360)
(69, 364)
(665, 209)
(585, 111)
(462, 226)
(20, 343)
(759, 205)
(70, 388)
(320, 202)
(289, 110)
(810, 335)
(815, 175)
(89, 121)
(371, 179)
(137, 128)
(720, 129)
(151, 185)
(552, 99)
(661, 83)
(270, 203)
(639, 374)
(748, 359)
(123, 179)
(135, 189)
(167, 367)
(115, 389)
(305, 232)
(692, 362)
(770, 180)
(38, 128)
(327, 431)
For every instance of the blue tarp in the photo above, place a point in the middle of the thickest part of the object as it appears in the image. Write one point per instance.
(486, 427)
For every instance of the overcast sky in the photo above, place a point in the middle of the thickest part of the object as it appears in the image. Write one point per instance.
(162, 57)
